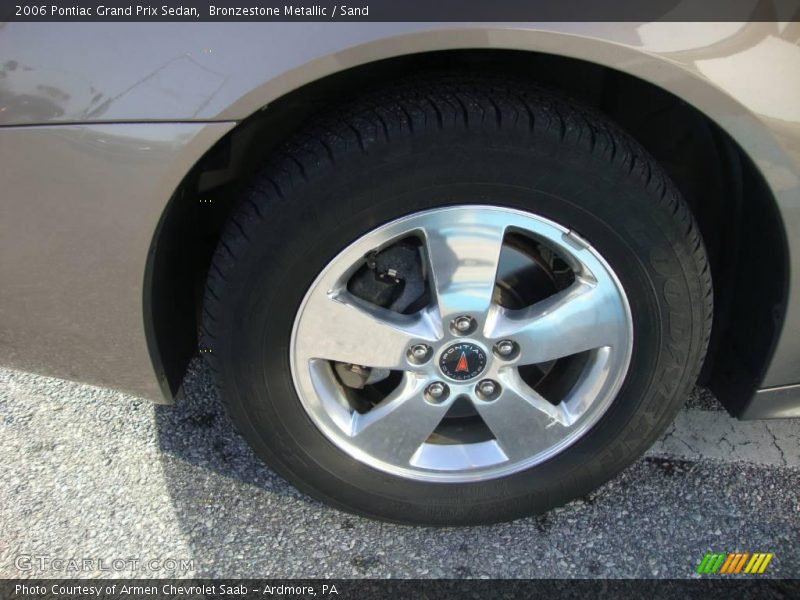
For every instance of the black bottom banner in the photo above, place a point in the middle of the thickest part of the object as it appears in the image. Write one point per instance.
(346, 589)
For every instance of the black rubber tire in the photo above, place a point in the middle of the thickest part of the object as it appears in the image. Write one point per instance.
(445, 141)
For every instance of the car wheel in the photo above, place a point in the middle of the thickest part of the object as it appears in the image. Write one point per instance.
(457, 301)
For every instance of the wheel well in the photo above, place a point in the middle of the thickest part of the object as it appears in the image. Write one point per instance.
(735, 210)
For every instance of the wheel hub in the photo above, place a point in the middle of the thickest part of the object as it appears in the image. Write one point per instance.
(462, 361)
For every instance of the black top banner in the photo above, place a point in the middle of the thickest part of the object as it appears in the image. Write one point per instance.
(401, 10)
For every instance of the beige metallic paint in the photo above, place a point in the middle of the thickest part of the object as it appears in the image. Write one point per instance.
(73, 303)
(80, 204)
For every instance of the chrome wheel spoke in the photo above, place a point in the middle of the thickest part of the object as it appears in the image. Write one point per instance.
(585, 316)
(347, 330)
(522, 421)
(396, 428)
(464, 253)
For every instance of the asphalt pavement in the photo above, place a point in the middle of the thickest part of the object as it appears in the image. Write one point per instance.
(93, 475)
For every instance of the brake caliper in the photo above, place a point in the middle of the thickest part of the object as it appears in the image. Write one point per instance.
(392, 278)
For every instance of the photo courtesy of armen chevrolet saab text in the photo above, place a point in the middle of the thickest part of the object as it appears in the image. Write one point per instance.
(443, 273)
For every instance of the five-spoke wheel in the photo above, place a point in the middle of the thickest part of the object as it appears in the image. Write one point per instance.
(464, 347)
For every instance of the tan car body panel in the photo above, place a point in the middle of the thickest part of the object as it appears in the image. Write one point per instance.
(101, 122)
(71, 299)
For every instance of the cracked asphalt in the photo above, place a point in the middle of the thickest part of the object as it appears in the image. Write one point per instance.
(698, 434)
(93, 473)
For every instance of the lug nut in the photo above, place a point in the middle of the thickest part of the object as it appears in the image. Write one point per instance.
(505, 348)
(488, 389)
(463, 324)
(436, 391)
(419, 353)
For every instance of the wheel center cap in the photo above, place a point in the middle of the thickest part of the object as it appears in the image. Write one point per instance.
(462, 361)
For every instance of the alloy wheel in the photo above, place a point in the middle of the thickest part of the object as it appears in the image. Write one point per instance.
(514, 338)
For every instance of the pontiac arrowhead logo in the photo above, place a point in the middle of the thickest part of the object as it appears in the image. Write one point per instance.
(462, 361)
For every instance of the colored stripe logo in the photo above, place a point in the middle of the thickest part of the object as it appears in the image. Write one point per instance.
(732, 563)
